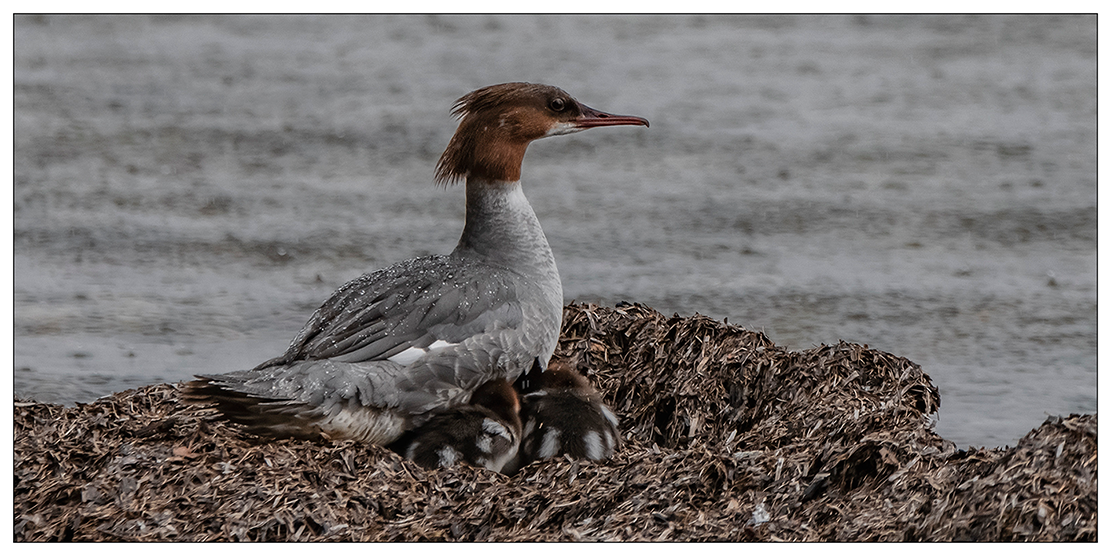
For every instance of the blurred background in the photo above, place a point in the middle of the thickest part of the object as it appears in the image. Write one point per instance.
(189, 189)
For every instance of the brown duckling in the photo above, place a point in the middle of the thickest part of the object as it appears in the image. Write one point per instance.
(564, 414)
(485, 432)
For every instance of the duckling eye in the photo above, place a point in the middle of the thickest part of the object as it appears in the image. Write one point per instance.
(557, 105)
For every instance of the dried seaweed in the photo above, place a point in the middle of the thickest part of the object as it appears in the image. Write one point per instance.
(727, 437)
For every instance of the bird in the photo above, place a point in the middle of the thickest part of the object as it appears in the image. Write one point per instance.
(486, 432)
(564, 414)
(393, 348)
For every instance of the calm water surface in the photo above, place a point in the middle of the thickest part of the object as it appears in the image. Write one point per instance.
(189, 189)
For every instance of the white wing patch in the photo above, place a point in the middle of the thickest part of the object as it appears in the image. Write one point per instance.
(410, 355)
(550, 446)
(593, 443)
(448, 456)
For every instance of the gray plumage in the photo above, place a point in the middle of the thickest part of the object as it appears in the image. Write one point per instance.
(476, 318)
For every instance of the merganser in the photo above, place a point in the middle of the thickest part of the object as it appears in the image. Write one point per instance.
(566, 415)
(486, 432)
(392, 347)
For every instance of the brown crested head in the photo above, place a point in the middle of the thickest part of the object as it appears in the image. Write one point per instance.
(498, 122)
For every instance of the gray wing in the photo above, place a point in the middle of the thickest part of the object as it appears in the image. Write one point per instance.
(340, 361)
(410, 304)
(305, 399)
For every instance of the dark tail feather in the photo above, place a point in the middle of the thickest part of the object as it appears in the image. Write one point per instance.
(258, 415)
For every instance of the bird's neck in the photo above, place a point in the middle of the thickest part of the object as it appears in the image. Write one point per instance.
(501, 227)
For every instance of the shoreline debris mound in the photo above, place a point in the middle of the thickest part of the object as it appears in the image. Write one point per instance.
(726, 437)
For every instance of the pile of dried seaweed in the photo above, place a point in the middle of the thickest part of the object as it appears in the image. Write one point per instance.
(728, 437)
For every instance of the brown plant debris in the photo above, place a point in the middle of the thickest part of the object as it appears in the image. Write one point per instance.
(726, 437)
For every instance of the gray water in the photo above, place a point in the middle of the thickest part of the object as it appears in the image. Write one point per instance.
(189, 189)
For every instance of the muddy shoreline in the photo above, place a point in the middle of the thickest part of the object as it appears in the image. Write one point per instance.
(727, 437)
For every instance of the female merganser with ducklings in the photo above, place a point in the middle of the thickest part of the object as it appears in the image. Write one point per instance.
(393, 349)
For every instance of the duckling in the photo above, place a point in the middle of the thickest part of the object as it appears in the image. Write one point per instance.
(485, 432)
(564, 414)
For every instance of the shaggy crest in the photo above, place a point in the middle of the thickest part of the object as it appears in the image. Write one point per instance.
(499, 121)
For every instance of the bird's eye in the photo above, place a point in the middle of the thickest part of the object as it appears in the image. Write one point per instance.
(557, 105)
